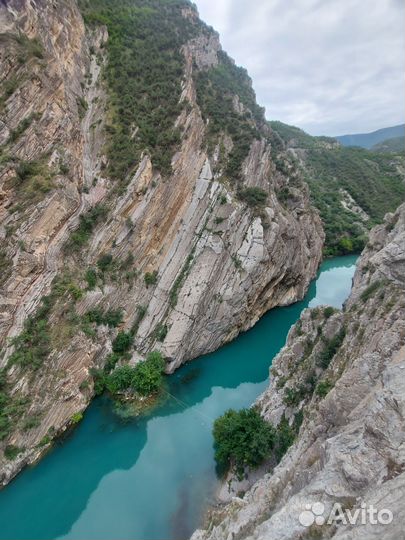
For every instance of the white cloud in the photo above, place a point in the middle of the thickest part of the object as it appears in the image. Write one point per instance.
(328, 66)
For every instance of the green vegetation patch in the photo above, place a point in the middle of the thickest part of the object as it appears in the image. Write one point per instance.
(145, 378)
(216, 89)
(87, 223)
(324, 387)
(331, 348)
(11, 451)
(373, 180)
(174, 291)
(110, 317)
(12, 407)
(6, 265)
(34, 344)
(371, 289)
(16, 133)
(33, 180)
(151, 278)
(253, 196)
(244, 439)
(144, 71)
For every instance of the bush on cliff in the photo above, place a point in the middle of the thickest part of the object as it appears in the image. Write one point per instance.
(242, 439)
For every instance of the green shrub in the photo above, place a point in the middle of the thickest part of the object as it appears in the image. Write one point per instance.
(11, 451)
(370, 290)
(76, 418)
(330, 349)
(82, 106)
(63, 168)
(328, 311)
(242, 439)
(285, 435)
(94, 315)
(293, 396)
(283, 194)
(27, 169)
(87, 223)
(91, 278)
(323, 387)
(151, 278)
(123, 342)
(145, 378)
(46, 439)
(120, 379)
(105, 262)
(99, 380)
(111, 361)
(113, 317)
(148, 376)
(160, 331)
(253, 196)
(22, 126)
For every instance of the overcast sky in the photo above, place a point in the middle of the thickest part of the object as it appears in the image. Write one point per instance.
(328, 66)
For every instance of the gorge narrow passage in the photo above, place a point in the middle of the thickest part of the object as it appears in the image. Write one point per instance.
(153, 477)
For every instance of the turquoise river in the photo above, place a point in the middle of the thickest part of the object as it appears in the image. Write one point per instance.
(152, 478)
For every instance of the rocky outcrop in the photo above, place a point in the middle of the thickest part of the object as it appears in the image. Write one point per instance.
(343, 374)
(215, 263)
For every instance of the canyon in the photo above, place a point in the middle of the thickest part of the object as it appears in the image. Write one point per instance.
(215, 263)
(144, 198)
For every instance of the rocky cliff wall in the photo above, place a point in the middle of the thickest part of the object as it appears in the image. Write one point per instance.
(343, 373)
(215, 263)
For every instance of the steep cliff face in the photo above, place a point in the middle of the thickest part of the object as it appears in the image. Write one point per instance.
(189, 253)
(342, 374)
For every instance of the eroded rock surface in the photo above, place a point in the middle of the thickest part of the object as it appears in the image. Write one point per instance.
(217, 264)
(350, 446)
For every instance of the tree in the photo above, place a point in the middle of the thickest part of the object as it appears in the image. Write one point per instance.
(242, 439)
(122, 342)
(120, 379)
(148, 375)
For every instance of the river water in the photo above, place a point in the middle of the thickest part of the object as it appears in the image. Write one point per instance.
(152, 478)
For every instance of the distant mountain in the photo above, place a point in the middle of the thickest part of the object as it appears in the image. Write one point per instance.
(353, 188)
(367, 140)
(396, 144)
